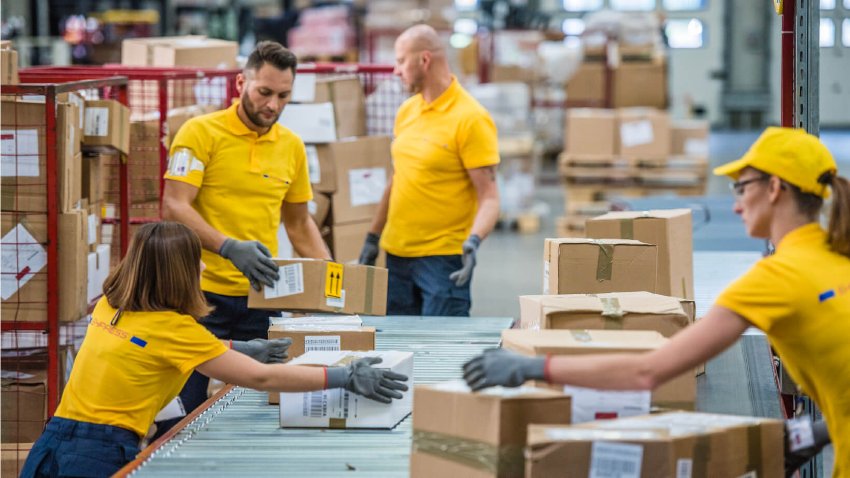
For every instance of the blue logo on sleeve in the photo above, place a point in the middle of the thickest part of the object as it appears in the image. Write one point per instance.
(138, 341)
(824, 296)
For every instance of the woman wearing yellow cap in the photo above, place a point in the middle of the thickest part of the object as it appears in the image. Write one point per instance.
(799, 296)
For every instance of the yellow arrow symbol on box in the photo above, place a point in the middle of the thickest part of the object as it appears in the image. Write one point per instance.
(333, 280)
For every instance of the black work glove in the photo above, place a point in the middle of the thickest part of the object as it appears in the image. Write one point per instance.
(361, 378)
(470, 248)
(252, 259)
(262, 350)
(795, 457)
(370, 249)
(502, 367)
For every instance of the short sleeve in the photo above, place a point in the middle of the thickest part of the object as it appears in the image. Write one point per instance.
(300, 189)
(478, 142)
(188, 344)
(188, 156)
(763, 296)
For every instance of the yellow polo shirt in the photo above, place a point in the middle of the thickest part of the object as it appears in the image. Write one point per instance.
(433, 202)
(243, 180)
(800, 297)
(125, 374)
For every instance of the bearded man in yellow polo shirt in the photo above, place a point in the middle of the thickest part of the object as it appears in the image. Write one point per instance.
(232, 176)
(442, 200)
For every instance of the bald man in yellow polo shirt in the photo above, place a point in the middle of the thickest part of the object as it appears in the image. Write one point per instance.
(442, 200)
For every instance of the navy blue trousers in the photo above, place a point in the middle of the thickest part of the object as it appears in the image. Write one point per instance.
(421, 286)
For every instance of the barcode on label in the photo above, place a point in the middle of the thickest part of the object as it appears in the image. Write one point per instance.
(291, 282)
(315, 404)
(345, 398)
(684, 468)
(324, 343)
(615, 460)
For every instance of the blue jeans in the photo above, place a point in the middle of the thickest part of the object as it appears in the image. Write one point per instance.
(69, 448)
(421, 286)
(231, 319)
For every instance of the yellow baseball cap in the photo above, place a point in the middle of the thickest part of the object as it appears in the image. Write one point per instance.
(791, 154)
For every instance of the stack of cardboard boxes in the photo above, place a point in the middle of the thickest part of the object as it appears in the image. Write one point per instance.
(630, 152)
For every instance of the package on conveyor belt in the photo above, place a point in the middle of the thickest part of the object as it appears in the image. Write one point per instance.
(324, 286)
(338, 408)
(678, 393)
(668, 445)
(593, 266)
(307, 337)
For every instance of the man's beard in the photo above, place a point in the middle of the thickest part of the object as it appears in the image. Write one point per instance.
(253, 116)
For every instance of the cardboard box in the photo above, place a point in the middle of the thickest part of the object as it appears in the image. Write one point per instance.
(347, 240)
(644, 133)
(322, 337)
(14, 456)
(314, 123)
(665, 446)
(590, 132)
(140, 51)
(94, 231)
(678, 393)
(613, 311)
(640, 83)
(94, 178)
(196, 52)
(450, 418)
(689, 137)
(593, 266)
(337, 408)
(98, 267)
(313, 285)
(24, 406)
(9, 67)
(107, 126)
(669, 229)
(145, 161)
(69, 137)
(319, 208)
(587, 85)
(24, 239)
(349, 104)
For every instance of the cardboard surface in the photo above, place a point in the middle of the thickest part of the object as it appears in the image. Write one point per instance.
(14, 456)
(669, 229)
(337, 408)
(319, 208)
(593, 266)
(689, 137)
(140, 51)
(640, 83)
(591, 132)
(304, 285)
(107, 126)
(588, 84)
(347, 242)
(644, 133)
(24, 407)
(494, 419)
(9, 67)
(314, 123)
(69, 138)
(196, 52)
(144, 161)
(349, 104)
(93, 178)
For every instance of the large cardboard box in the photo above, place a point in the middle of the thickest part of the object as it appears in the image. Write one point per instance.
(668, 445)
(594, 266)
(321, 337)
(644, 133)
(669, 229)
(14, 456)
(349, 104)
(450, 419)
(196, 52)
(69, 139)
(678, 393)
(689, 137)
(9, 67)
(316, 285)
(107, 126)
(640, 83)
(24, 253)
(144, 161)
(337, 408)
(319, 207)
(613, 311)
(590, 132)
(140, 51)
(24, 406)
(347, 240)
(587, 85)
(94, 178)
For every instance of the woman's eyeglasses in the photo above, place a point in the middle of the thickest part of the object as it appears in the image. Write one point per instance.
(738, 186)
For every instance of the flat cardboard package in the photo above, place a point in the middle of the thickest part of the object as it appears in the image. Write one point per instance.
(590, 132)
(689, 137)
(9, 67)
(316, 285)
(349, 103)
(669, 229)
(24, 239)
(668, 445)
(337, 408)
(196, 52)
(644, 133)
(449, 418)
(322, 337)
(140, 51)
(594, 266)
(314, 123)
(107, 126)
(611, 311)
(678, 393)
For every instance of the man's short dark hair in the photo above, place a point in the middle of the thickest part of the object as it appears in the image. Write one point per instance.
(272, 53)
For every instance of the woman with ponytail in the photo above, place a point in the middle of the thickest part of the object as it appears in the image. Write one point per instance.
(799, 296)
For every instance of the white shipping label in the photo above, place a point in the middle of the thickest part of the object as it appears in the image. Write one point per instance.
(313, 164)
(636, 133)
(696, 146)
(97, 121)
(324, 343)
(615, 460)
(93, 223)
(291, 282)
(333, 403)
(367, 185)
(590, 404)
(19, 152)
(800, 434)
(22, 257)
(337, 302)
(684, 468)
(304, 88)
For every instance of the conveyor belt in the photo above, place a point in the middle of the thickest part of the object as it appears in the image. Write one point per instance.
(239, 434)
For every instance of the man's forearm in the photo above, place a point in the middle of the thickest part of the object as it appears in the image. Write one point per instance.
(380, 219)
(486, 217)
(306, 239)
(211, 238)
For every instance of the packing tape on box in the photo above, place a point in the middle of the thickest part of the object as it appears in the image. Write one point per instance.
(627, 228)
(604, 261)
(506, 460)
(612, 313)
(370, 281)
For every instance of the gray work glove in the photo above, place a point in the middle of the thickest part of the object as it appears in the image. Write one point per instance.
(796, 457)
(502, 367)
(370, 249)
(252, 259)
(262, 350)
(470, 247)
(361, 378)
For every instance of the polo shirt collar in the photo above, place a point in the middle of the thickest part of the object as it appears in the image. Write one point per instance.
(238, 128)
(807, 234)
(445, 100)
